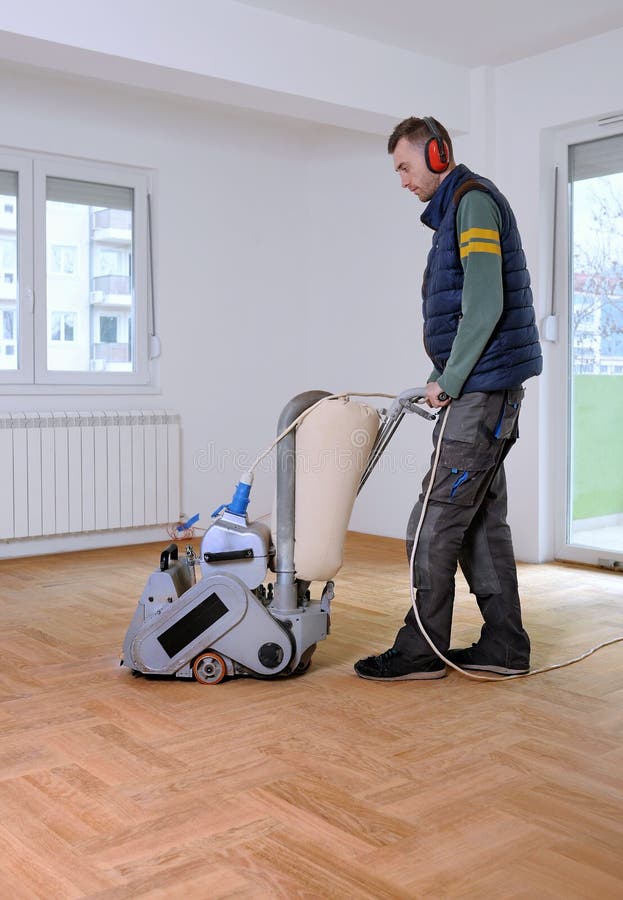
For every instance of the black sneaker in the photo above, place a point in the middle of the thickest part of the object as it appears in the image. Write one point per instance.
(392, 666)
(473, 658)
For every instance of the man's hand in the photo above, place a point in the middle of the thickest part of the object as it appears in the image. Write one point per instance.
(433, 392)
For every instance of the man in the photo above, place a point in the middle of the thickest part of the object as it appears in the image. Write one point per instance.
(480, 333)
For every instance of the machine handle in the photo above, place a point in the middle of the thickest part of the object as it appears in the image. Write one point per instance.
(170, 551)
(409, 402)
(226, 555)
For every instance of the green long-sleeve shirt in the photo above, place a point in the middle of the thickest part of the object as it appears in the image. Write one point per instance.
(478, 224)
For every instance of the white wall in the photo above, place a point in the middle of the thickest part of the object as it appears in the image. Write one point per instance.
(232, 232)
(288, 259)
(368, 253)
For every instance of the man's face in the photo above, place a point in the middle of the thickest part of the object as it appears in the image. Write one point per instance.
(414, 173)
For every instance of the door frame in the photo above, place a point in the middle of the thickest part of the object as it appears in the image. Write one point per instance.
(561, 436)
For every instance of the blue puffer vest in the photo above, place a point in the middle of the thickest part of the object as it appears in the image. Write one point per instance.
(513, 352)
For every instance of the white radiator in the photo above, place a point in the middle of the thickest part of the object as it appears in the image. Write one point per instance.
(69, 472)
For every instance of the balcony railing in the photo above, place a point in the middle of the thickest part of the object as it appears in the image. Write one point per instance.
(112, 284)
(113, 218)
(112, 353)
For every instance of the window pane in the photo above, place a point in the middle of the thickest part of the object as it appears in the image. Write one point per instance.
(8, 270)
(108, 329)
(68, 327)
(55, 329)
(596, 345)
(89, 232)
(8, 325)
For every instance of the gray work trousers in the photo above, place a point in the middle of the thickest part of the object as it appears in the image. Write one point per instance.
(465, 522)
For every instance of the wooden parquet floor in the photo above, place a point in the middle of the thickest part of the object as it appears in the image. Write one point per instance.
(324, 786)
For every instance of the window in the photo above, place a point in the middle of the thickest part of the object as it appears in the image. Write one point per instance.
(62, 260)
(73, 273)
(8, 271)
(63, 326)
(108, 329)
(8, 247)
(7, 338)
(8, 324)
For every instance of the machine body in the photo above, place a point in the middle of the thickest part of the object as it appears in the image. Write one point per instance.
(227, 621)
(222, 623)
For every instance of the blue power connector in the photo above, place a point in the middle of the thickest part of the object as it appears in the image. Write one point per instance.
(240, 501)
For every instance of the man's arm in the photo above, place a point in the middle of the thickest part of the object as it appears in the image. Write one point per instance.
(434, 375)
(478, 226)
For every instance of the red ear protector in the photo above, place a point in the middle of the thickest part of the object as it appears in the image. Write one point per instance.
(436, 153)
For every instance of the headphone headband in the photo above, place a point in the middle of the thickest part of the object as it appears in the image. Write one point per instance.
(430, 124)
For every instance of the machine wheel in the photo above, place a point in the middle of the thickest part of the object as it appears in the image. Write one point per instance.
(209, 668)
(305, 661)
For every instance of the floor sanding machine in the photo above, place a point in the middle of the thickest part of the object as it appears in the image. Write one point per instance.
(225, 620)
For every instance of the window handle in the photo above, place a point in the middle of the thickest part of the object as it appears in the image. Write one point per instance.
(29, 297)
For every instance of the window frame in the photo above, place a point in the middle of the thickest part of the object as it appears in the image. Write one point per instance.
(117, 176)
(561, 398)
(24, 307)
(33, 376)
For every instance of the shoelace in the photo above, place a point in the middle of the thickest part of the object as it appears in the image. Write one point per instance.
(385, 658)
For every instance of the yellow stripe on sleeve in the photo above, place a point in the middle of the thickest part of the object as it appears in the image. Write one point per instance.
(480, 247)
(488, 234)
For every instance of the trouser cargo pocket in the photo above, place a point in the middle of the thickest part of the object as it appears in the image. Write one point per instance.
(463, 487)
(474, 442)
(506, 425)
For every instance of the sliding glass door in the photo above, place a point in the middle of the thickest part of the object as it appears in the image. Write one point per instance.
(594, 502)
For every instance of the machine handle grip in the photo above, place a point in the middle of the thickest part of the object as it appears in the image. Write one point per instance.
(170, 551)
(408, 401)
(226, 555)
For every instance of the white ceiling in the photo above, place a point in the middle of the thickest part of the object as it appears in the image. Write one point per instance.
(466, 32)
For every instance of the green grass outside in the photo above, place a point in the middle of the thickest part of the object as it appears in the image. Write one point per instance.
(597, 445)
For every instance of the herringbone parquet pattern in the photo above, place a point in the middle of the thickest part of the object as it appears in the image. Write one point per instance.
(324, 786)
